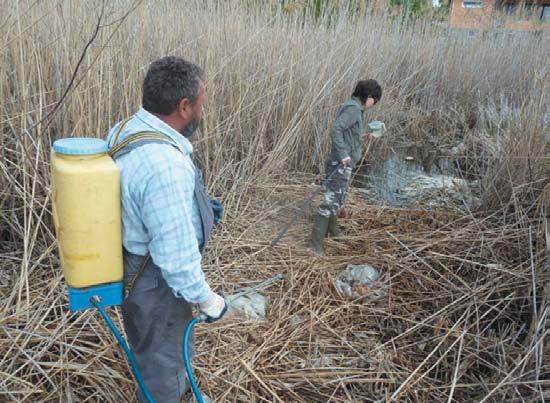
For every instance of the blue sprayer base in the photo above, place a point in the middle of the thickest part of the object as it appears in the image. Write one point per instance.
(108, 294)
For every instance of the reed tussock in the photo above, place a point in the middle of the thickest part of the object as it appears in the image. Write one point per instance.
(464, 315)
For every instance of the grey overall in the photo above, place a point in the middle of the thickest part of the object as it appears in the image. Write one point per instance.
(154, 318)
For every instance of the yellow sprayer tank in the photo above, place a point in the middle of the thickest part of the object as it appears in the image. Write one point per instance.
(86, 210)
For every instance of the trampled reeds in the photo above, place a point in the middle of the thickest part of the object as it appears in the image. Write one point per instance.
(461, 320)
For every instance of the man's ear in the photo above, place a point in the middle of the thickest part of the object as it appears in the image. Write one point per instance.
(184, 108)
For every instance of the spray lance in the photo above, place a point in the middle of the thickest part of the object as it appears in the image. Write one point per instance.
(377, 129)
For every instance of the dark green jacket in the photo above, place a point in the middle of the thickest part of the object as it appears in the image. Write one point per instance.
(346, 132)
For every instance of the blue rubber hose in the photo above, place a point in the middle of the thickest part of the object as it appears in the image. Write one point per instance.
(129, 355)
(133, 364)
(187, 359)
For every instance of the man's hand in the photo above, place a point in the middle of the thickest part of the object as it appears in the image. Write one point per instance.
(346, 161)
(217, 208)
(214, 307)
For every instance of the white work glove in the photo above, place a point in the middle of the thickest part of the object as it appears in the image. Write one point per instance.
(214, 307)
(346, 161)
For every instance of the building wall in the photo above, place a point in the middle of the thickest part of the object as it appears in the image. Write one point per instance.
(471, 18)
(488, 16)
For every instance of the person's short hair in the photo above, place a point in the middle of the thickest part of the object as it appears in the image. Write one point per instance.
(368, 89)
(169, 80)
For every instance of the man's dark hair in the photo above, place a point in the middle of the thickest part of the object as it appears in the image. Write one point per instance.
(167, 82)
(368, 89)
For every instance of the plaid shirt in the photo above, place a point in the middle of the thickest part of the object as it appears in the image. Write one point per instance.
(160, 215)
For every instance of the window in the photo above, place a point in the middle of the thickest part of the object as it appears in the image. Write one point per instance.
(472, 4)
(521, 10)
(545, 12)
(510, 8)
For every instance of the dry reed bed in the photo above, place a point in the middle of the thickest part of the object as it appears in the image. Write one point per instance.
(274, 80)
(454, 322)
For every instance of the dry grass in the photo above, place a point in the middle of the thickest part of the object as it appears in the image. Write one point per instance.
(455, 324)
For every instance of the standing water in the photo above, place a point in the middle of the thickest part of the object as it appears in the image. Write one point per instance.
(403, 180)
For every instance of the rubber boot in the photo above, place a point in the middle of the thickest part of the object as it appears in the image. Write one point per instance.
(333, 230)
(320, 226)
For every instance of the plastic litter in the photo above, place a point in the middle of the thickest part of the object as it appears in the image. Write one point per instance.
(360, 281)
(249, 306)
(248, 303)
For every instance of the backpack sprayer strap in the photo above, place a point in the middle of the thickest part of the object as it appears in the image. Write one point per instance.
(130, 284)
(142, 136)
(120, 128)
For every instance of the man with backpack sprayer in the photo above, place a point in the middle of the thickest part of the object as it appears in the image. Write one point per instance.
(166, 220)
(347, 134)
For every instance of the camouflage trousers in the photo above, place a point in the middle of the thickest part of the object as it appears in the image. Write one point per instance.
(337, 186)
